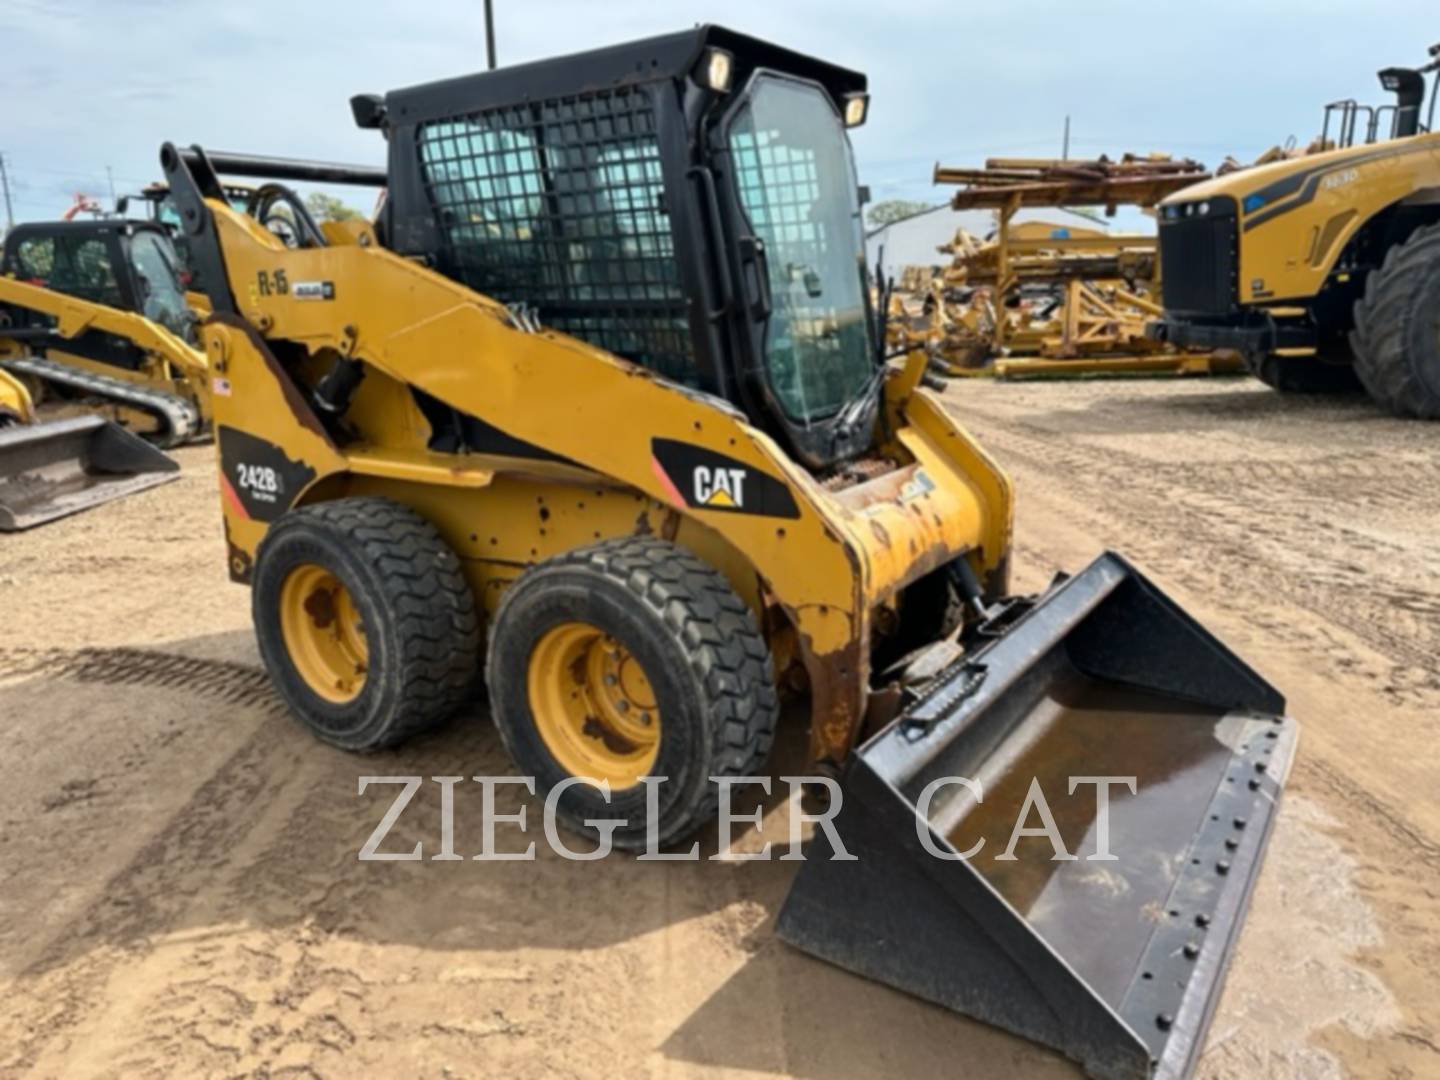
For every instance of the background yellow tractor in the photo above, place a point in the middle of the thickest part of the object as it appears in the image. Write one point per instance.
(1322, 270)
(598, 408)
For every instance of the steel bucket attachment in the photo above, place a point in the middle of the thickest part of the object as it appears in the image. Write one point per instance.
(50, 470)
(1117, 964)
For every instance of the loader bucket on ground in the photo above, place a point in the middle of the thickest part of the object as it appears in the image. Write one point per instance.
(1117, 964)
(65, 466)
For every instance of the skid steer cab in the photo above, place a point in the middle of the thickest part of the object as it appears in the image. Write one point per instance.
(597, 409)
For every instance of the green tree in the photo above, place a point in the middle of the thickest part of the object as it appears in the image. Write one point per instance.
(328, 208)
(893, 210)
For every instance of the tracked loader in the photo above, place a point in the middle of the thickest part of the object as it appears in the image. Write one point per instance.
(91, 316)
(597, 408)
(94, 312)
(1322, 270)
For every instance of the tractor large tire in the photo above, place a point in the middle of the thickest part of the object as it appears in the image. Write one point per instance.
(629, 659)
(365, 622)
(1397, 328)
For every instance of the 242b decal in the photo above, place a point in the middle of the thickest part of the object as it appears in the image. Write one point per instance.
(258, 478)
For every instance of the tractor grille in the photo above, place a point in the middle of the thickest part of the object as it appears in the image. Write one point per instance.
(1199, 257)
(559, 205)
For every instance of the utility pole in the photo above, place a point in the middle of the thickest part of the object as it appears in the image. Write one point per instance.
(490, 34)
(5, 184)
(1065, 150)
(110, 179)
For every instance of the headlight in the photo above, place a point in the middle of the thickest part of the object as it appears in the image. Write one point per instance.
(717, 68)
(1203, 209)
(856, 106)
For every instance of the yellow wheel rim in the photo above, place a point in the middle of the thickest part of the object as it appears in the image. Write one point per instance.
(324, 633)
(593, 705)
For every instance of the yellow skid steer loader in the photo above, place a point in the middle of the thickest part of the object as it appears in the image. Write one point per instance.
(601, 388)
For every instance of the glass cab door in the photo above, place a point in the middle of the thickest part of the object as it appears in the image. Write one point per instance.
(796, 183)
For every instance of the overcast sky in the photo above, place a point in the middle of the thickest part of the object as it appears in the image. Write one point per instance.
(91, 83)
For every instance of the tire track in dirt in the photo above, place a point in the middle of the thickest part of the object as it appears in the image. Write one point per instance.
(221, 681)
(267, 842)
(1282, 558)
(71, 973)
(1349, 793)
(1406, 677)
(1398, 621)
(1370, 478)
(158, 882)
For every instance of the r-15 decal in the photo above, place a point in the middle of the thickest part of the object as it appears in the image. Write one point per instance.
(272, 284)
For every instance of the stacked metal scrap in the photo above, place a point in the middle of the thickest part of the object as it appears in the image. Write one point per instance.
(1041, 298)
(1134, 180)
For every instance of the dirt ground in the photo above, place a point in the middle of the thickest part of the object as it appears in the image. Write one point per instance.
(179, 885)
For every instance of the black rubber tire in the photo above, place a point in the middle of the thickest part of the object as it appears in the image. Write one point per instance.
(1396, 338)
(696, 640)
(421, 625)
(1307, 374)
